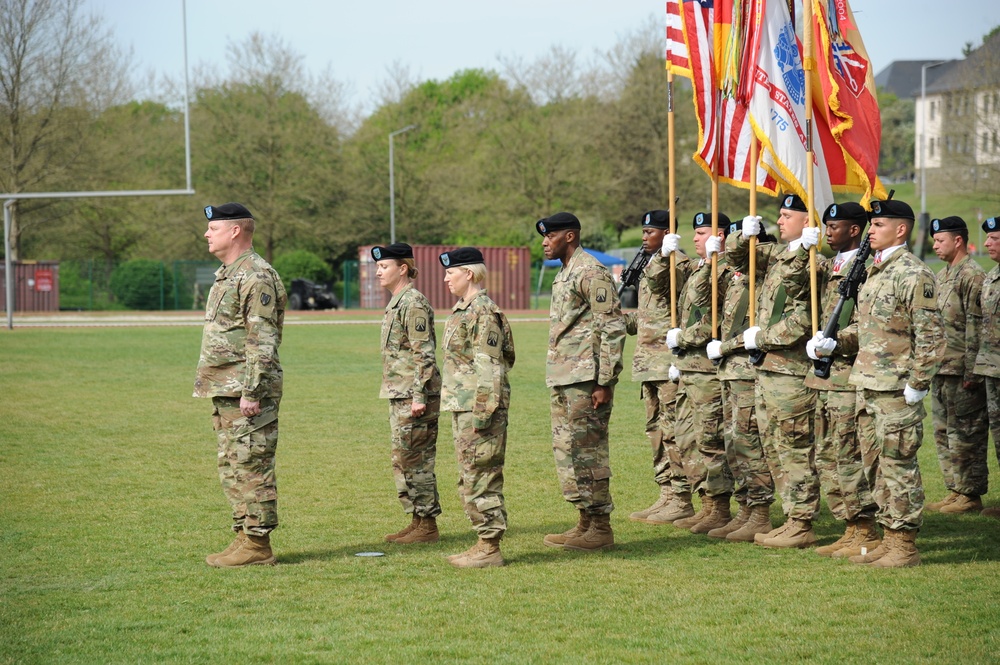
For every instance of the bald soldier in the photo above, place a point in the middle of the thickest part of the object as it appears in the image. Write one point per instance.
(900, 341)
(586, 337)
(958, 396)
(240, 371)
(988, 359)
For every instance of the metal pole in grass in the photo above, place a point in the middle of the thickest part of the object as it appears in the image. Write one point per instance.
(392, 184)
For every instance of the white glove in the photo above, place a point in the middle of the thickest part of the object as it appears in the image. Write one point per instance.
(714, 350)
(810, 237)
(672, 336)
(820, 346)
(671, 243)
(674, 374)
(913, 396)
(750, 338)
(751, 226)
(713, 246)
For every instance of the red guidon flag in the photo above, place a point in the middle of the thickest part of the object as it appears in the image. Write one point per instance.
(848, 103)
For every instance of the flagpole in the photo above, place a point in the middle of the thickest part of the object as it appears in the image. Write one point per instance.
(753, 239)
(715, 213)
(671, 187)
(809, 65)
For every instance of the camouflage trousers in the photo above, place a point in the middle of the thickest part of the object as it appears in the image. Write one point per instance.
(580, 446)
(480, 456)
(891, 432)
(700, 441)
(993, 410)
(660, 398)
(838, 456)
(752, 478)
(961, 433)
(785, 412)
(246, 448)
(414, 451)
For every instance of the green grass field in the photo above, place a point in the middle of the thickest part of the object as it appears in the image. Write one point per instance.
(111, 503)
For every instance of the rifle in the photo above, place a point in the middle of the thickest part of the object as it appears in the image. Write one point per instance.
(632, 274)
(848, 290)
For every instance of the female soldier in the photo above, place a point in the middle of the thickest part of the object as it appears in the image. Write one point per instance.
(478, 354)
(412, 384)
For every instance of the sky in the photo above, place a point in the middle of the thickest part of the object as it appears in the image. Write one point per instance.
(361, 39)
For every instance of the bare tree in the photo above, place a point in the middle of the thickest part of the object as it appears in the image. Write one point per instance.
(58, 69)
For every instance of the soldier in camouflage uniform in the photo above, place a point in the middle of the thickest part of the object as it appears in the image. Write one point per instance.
(900, 341)
(240, 370)
(988, 358)
(754, 485)
(586, 337)
(478, 354)
(838, 451)
(651, 366)
(700, 436)
(958, 396)
(785, 407)
(412, 384)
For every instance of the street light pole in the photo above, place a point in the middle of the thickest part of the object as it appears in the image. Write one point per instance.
(392, 184)
(924, 217)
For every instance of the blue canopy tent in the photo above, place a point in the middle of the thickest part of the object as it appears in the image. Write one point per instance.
(605, 259)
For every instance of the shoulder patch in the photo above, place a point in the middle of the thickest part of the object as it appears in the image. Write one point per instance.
(493, 339)
(419, 324)
(925, 294)
(265, 302)
(601, 295)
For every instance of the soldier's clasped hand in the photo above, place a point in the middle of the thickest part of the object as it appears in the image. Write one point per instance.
(751, 226)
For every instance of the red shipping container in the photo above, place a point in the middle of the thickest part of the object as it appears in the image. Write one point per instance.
(508, 277)
(36, 286)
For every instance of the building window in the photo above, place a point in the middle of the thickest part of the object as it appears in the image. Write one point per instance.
(986, 141)
(994, 141)
(947, 144)
(933, 105)
(996, 102)
(931, 147)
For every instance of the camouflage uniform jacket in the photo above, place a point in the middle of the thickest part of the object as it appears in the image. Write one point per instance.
(988, 359)
(244, 317)
(847, 348)
(959, 290)
(478, 353)
(900, 337)
(782, 304)
(408, 344)
(586, 328)
(734, 300)
(696, 321)
(651, 321)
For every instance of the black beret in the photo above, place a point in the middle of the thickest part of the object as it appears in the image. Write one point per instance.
(463, 256)
(705, 219)
(846, 212)
(793, 202)
(892, 208)
(656, 219)
(397, 250)
(227, 211)
(953, 224)
(558, 222)
(992, 224)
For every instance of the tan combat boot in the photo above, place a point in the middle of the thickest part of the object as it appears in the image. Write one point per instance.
(761, 537)
(598, 537)
(393, 537)
(902, 554)
(840, 543)
(559, 539)
(865, 538)
(963, 504)
(734, 524)
(678, 508)
(759, 522)
(799, 534)
(666, 493)
(688, 522)
(991, 512)
(484, 554)
(240, 537)
(253, 551)
(878, 552)
(718, 515)
(426, 531)
(938, 505)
